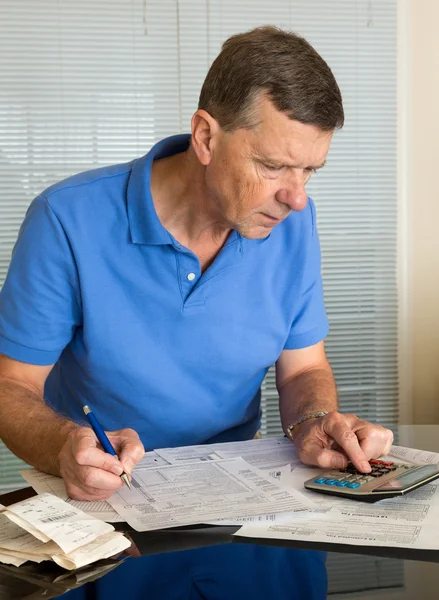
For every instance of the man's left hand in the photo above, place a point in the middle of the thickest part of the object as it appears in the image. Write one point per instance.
(333, 440)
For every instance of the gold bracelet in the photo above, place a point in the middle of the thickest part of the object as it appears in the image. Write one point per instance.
(314, 415)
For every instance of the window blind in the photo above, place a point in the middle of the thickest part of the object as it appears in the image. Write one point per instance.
(356, 202)
(87, 83)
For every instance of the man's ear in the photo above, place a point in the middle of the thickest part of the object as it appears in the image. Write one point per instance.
(205, 130)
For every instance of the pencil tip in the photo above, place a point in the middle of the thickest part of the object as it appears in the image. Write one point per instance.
(126, 480)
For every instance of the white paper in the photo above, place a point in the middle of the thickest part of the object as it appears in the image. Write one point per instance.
(151, 459)
(264, 453)
(43, 483)
(174, 456)
(56, 520)
(411, 520)
(15, 538)
(47, 528)
(419, 506)
(9, 559)
(339, 529)
(283, 476)
(275, 456)
(411, 455)
(111, 544)
(200, 492)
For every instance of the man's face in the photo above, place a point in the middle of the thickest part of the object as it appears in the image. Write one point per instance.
(258, 176)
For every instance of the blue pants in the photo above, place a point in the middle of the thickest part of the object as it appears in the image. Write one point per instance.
(223, 572)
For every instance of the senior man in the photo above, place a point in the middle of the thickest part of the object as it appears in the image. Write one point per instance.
(160, 291)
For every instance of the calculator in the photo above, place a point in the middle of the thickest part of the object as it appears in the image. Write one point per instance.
(386, 480)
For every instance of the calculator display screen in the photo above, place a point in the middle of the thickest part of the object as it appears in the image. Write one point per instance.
(408, 479)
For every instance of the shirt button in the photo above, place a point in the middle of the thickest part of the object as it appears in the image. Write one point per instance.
(191, 276)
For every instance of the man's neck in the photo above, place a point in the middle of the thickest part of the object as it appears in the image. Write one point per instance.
(183, 204)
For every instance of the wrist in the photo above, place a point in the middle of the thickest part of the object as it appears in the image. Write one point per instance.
(65, 430)
(294, 428)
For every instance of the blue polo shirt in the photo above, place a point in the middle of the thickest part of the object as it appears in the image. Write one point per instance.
(99, 288)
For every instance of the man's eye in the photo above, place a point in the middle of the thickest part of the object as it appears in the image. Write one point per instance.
(272, 168)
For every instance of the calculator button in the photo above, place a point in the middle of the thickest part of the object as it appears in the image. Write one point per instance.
(388, 464)
(376, 474)
(392, 468)
(331, 481)
(342, 483)
(320, 480)
(376, 462)
(384, 471)
(353, 485)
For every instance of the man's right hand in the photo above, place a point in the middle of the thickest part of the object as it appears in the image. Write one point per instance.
(90, 473)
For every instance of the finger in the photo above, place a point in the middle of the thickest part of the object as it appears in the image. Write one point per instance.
(324, 458)
(130, 448)
(83, 485)
(96, 481)
(341, 433)
(87, 454)
(77, 491)
(375, 441)
(389, 443)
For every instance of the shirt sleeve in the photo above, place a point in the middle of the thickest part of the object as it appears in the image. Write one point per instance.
(310, 324)
(40, 300)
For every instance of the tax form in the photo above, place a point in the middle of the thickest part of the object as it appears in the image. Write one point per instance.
(199, 492)
(264, 453)
(410, 521)
(275, 456)
(43, 483)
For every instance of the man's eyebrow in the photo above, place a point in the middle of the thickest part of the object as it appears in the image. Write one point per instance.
(280, 163)
(318, 166)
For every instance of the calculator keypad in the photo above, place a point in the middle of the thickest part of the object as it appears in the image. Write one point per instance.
(351, 478)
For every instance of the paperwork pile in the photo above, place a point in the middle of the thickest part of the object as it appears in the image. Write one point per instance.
(410, 521)
(259, 484)
(173, 487)
(47, 528)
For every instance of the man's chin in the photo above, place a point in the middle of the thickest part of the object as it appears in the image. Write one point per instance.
(255, 233)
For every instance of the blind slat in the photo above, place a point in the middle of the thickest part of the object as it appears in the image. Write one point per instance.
(87, 83)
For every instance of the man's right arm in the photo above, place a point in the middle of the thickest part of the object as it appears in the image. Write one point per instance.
(28, 426)
(55, 445)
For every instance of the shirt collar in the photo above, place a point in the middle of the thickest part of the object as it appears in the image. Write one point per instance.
(144, 223)
(145, 226)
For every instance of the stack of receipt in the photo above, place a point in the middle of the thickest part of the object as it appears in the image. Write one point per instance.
(45, 527)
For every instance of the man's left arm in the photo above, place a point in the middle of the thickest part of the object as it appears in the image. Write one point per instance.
(306, 385)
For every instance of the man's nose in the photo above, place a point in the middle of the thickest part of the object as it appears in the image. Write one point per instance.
(294, 196)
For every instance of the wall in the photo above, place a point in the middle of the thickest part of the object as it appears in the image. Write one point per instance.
(423, 209)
